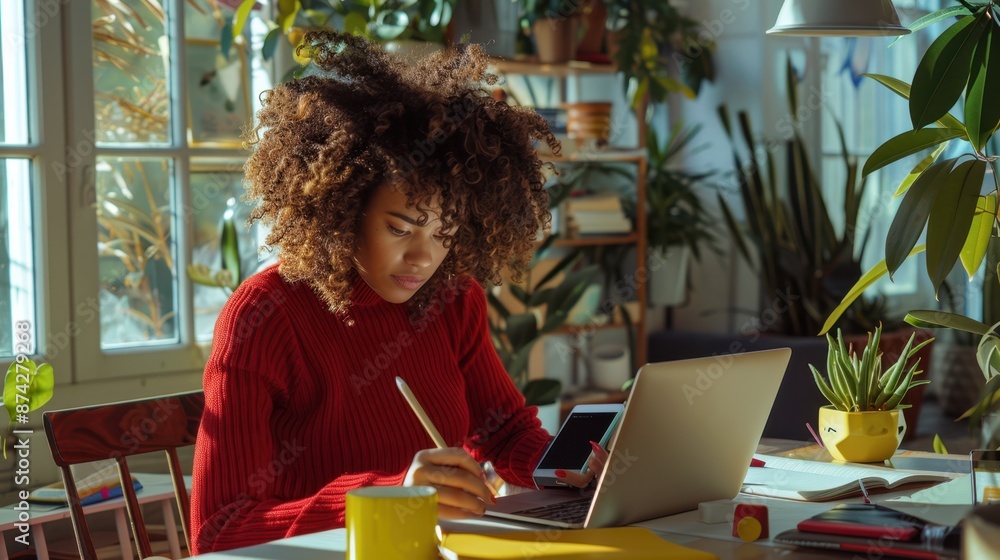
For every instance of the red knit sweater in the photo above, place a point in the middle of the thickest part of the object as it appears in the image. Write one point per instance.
(302, 406)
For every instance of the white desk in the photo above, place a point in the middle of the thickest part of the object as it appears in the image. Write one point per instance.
(155, 488)
(684, 529)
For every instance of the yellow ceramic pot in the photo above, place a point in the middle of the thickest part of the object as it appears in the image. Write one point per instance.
(861, 437)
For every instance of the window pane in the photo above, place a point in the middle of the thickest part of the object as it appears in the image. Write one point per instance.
(215, 196)
(17, 256)
(131, 63)
(13, 69)
(203, 21)
(136, 248)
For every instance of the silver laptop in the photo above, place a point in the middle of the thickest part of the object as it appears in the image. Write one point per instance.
(689, 430)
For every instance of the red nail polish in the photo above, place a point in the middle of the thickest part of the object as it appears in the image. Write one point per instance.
(561, 473)
(494, 498)
(596, 447)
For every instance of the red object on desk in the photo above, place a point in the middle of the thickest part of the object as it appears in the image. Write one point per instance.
(756, 462)
(750, 522)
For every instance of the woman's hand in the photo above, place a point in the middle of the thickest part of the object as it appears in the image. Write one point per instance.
(459, 480)
(595, 465)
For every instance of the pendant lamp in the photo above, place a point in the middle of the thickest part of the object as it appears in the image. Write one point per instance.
(838, 18)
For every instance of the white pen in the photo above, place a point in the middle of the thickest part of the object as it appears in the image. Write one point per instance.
(432, 431)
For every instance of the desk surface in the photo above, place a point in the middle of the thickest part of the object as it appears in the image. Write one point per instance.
(684, 529)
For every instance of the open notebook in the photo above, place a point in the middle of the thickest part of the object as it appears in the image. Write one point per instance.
(797, 479)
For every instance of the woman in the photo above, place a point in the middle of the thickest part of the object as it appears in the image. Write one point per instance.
(393, 194)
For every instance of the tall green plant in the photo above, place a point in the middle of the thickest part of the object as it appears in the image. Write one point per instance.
(945, 198)
(791, 239)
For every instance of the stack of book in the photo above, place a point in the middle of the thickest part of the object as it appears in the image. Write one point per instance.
(596, 214)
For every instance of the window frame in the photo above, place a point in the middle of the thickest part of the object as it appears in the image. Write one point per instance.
(92, 362)
(45, 152)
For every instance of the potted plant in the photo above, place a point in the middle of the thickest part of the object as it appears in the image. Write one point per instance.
(400, 22)
(790, 236)
(554, 25)
(862, 423)
(668, 45)
(954, 199)
(677, 222)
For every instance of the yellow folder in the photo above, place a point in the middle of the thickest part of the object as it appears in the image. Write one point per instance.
(619, 542)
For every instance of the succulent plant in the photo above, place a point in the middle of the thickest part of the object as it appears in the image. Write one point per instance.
(859, 384)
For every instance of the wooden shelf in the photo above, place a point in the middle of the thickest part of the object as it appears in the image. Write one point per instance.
(582, 152)
(585, 241)
(576, 329)
(610, 155)
(597, 397)
(534, 68)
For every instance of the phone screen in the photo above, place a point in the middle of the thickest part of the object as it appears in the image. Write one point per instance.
(571, 447)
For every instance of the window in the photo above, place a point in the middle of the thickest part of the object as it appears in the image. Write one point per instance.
(870, 115)
(149, 157)
(18, 273)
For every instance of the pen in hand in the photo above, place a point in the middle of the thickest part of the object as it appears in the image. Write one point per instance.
(425, 420)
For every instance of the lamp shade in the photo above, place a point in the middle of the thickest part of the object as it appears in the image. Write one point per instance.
(840, 18)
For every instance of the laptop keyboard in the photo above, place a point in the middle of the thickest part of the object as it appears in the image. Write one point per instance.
(573, 511)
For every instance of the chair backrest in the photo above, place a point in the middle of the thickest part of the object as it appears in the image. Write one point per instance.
(116, 431)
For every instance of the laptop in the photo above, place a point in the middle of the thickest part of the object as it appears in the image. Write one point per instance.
(688, 432)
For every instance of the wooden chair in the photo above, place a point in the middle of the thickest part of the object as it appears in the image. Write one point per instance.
(116, 431)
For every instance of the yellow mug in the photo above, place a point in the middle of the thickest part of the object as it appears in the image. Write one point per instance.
(392, 522)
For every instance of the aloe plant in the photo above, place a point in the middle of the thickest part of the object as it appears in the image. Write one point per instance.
(859, 384)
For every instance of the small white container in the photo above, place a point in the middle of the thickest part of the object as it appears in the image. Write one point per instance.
(610, 366)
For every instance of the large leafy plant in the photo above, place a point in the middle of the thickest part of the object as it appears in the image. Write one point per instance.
(858, 384)
(655, 42)
(790, 236)
(947, 198)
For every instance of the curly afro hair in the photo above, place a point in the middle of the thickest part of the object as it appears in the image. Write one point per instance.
(324, 142)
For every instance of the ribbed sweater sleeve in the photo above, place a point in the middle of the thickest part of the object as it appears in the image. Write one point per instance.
(501, 428)
(234, 498)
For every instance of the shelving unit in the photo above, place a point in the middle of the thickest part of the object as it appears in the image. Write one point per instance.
(637, 238)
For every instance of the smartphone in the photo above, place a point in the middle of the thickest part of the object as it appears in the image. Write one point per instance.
(570, 449)
(985, 476)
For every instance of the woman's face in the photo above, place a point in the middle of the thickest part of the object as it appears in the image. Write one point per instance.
(394, 255)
